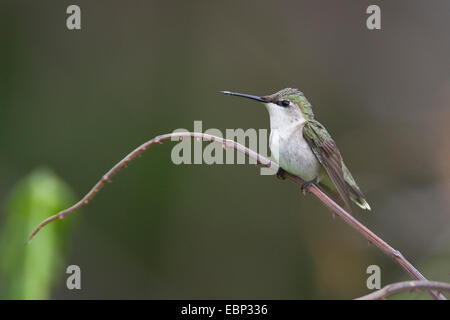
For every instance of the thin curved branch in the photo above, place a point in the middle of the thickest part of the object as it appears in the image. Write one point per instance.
(405, 286)
(349, 219)
(136, 152)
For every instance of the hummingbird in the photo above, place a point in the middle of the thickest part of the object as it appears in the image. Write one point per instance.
(303, 147)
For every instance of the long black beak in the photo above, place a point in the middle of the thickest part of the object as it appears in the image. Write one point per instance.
(249, 96)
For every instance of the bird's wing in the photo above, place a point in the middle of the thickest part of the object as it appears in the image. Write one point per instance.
(328, 155)
(351, 183)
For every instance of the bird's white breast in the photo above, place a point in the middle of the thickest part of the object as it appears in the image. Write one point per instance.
(292, 152)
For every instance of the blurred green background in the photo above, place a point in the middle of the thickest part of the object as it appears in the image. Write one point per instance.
(78, 101)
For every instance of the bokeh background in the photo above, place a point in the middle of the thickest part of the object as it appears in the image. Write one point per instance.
(73, 103)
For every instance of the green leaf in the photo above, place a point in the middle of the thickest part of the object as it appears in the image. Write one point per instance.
(29, 271)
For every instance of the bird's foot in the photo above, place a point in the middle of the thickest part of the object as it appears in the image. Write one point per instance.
(306, 186)
(280, 173)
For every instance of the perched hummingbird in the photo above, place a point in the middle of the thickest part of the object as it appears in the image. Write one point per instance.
(303, 147)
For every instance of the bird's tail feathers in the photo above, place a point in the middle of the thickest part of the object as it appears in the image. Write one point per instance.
(360, 202)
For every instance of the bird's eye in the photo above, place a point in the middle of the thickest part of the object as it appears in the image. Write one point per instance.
(284, 103)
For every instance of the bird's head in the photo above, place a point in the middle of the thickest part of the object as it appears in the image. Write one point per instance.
(284, 106)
